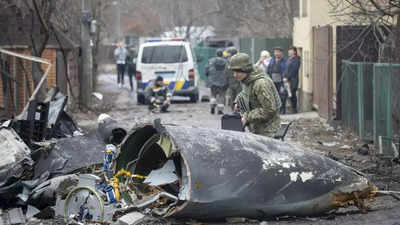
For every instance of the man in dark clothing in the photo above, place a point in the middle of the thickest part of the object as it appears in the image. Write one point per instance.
(234, 86)
(157, 95)
(131, 63)
(275, 70)
(291, 77)
(216, 71)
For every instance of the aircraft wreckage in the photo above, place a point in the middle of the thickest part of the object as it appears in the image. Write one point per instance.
(207, 174)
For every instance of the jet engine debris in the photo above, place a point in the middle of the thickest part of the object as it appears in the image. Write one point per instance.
(215, 174)
(172, 171)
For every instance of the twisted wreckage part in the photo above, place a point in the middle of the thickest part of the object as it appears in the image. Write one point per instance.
(215, 174)
(185, 172)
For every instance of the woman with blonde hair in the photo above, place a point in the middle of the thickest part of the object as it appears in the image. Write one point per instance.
(263, 62)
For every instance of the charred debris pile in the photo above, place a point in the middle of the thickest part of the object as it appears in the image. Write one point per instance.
(161, 170)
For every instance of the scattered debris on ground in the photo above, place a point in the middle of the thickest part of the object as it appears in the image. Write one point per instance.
(54, 172)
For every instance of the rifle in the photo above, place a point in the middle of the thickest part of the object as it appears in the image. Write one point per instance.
(242, 105)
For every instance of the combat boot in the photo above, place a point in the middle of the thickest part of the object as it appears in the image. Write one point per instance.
(220, 108)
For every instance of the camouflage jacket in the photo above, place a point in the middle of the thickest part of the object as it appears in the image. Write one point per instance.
(216, 72)
(262, 103)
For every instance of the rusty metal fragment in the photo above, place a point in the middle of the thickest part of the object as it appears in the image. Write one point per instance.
(223, 174)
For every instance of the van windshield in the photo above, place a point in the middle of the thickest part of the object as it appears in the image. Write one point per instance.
(164, 54)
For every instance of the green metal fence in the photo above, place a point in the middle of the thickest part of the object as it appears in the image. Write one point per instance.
(203, 54)
(370, 100)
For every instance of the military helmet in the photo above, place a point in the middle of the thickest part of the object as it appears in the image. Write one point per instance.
(219, 52)
(241, 62)
(232, 51)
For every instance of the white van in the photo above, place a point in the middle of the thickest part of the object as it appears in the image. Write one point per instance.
(172, 59)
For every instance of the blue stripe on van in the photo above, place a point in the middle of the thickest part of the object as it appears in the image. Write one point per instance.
(171, 85)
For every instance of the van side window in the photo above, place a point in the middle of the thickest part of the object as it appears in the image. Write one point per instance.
(164, 54)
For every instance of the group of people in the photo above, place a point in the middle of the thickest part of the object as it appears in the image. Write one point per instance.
(125, 60)
(259, 92)
(284, 73)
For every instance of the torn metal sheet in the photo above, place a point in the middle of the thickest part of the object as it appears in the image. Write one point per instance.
(15, 161)
(31, 212)
(16, 216)
(56, 108)
(165, 175)
(70, 154)
(226, 174)
(45, 194)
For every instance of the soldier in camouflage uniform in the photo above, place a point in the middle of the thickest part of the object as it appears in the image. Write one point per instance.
(217, 81)
(234, 86)
(259, 97)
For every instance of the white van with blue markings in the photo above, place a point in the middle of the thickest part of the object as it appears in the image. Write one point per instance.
(172, 59)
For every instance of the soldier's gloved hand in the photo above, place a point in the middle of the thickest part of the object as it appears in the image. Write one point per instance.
(244, 121)
(235, 108)
(152, 100)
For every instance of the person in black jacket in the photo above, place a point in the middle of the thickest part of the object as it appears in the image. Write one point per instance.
(157, 95)
(291, 77)
(275, 70)
(131, 63)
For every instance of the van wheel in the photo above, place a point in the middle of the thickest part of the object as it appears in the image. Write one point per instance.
(194, 98)
(140, 100)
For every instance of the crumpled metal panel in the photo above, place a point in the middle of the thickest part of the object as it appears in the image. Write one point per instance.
(70, 154)
(15, 159)
(234, 174)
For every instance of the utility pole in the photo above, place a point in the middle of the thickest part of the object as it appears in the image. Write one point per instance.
(119, 19)
(86, 75)
(117, 5)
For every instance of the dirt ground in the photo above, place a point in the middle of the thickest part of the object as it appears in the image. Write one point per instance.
(308, 131)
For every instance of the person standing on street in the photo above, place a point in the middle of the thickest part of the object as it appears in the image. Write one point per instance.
(275, 70)
(291, 77)
(131, 63)
(120, 54)
(264, 60)
(216, 71)
(234, 86)
(259, 100)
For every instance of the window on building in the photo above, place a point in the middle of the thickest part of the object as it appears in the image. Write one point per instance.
(304, 8)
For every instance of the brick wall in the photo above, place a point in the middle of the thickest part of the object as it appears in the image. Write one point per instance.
(21, 71)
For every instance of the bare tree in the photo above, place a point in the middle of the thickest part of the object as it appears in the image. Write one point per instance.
(381, 17)
(41, 11)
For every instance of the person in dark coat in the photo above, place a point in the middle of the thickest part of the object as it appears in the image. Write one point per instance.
(291, 77)
(157, 95)
(275, 70)
(216, 71)
(131, 63)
